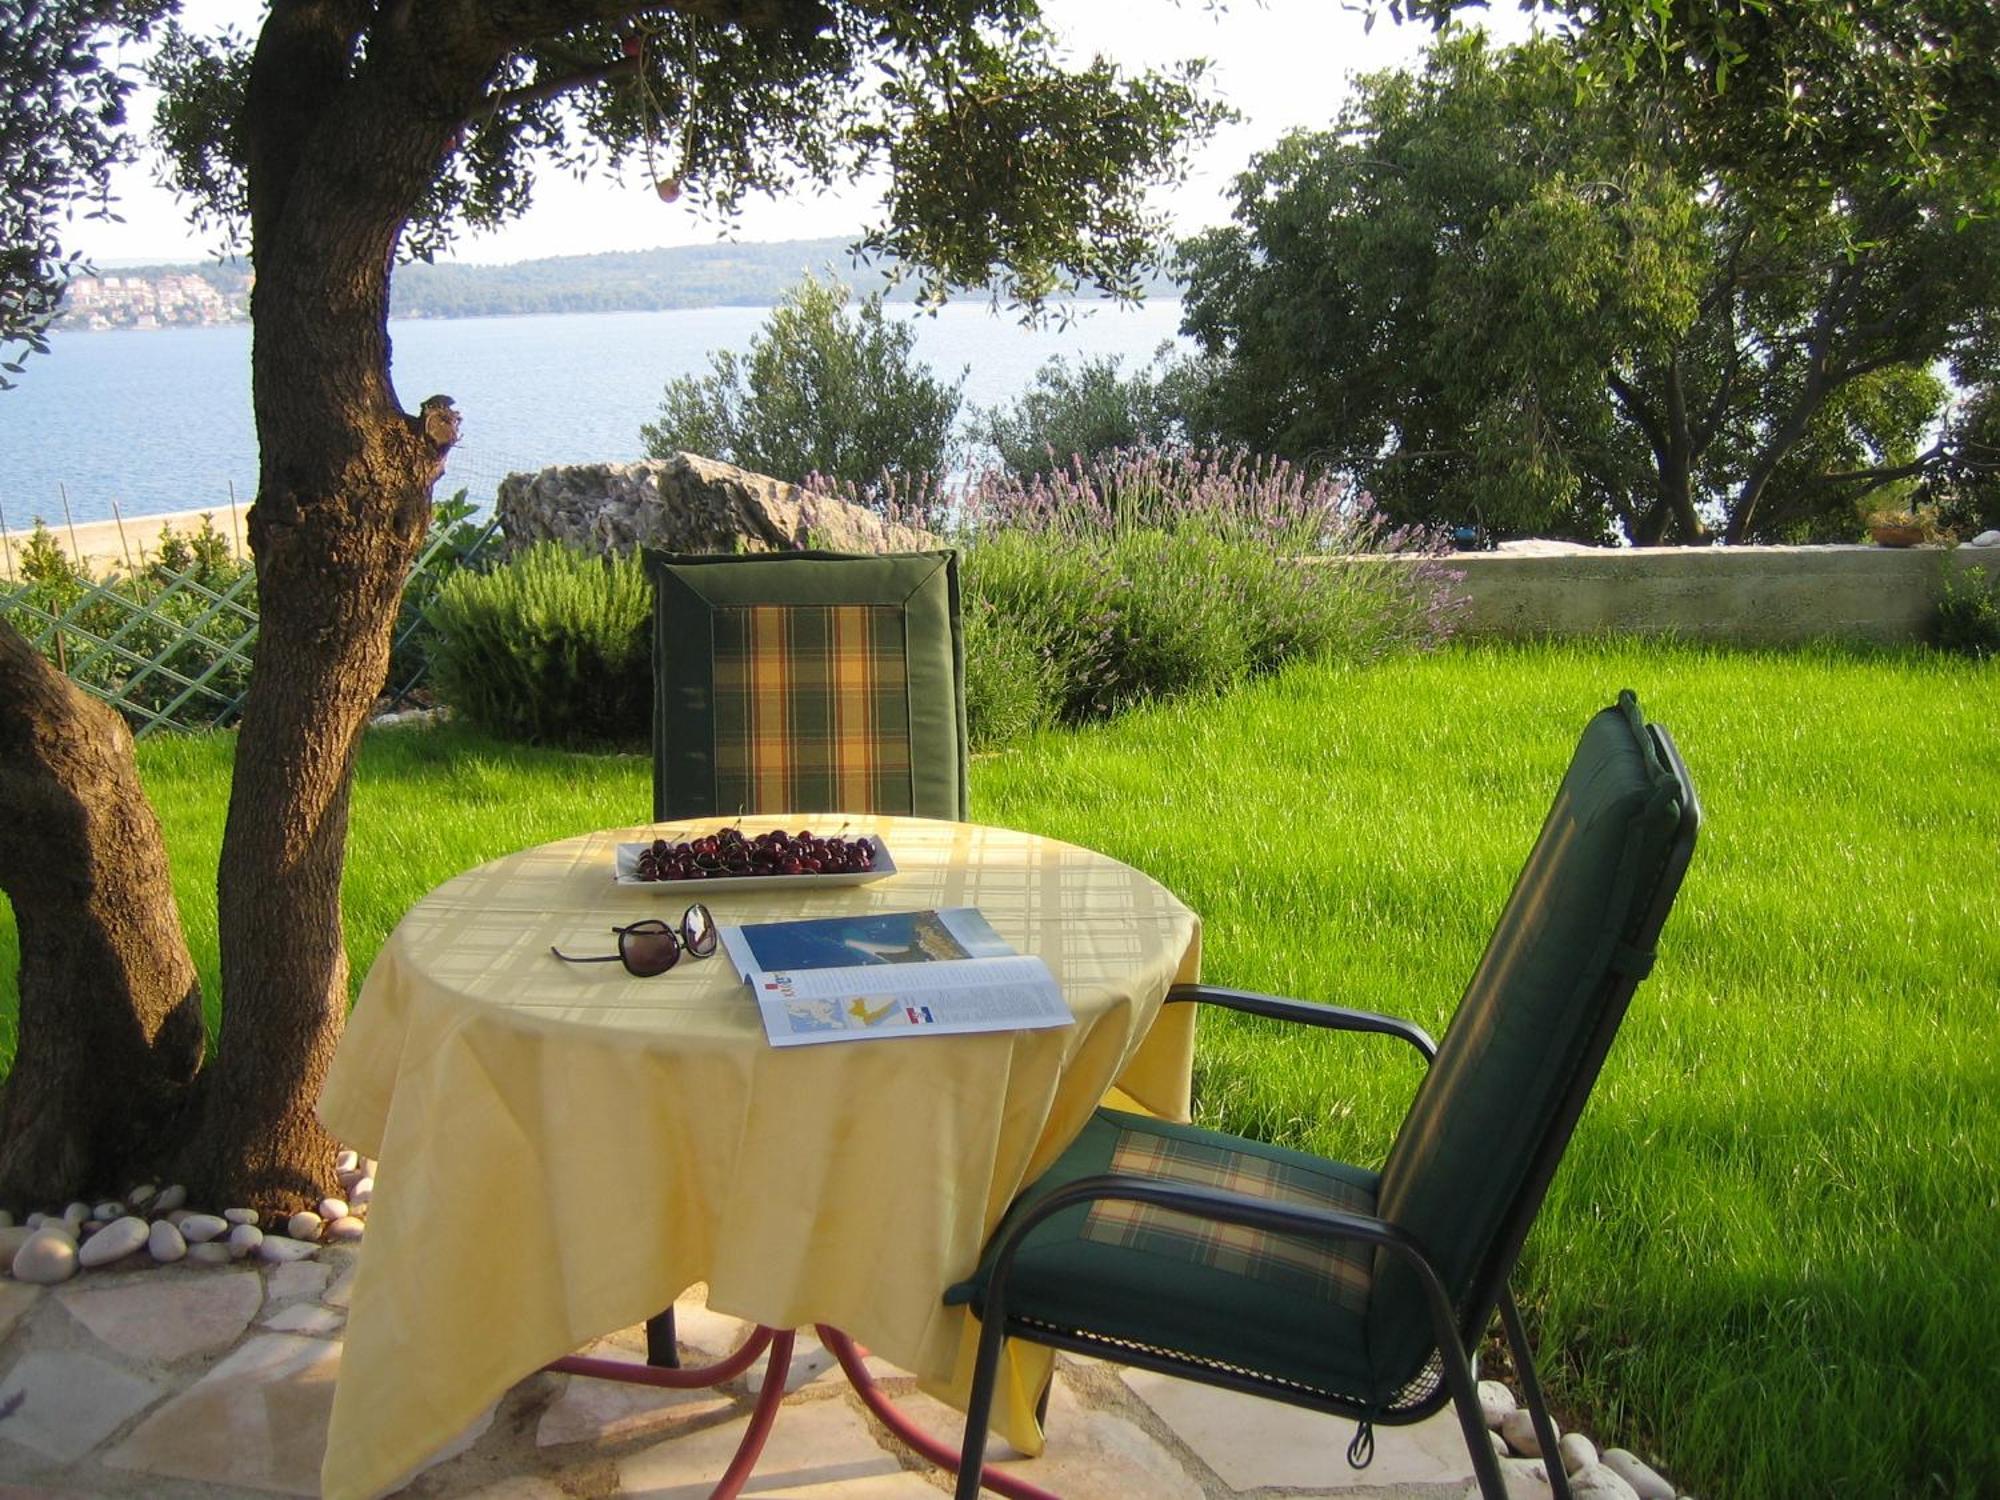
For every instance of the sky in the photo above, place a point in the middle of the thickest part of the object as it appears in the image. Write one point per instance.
(1284, 64)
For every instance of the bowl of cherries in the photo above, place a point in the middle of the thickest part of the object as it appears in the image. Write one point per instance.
(771, 859)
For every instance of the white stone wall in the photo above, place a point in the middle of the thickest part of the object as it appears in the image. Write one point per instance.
(1765, 595)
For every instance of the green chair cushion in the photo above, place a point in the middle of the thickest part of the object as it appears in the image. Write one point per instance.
(1525, 1021)
(1284, 1305)
(808, 682)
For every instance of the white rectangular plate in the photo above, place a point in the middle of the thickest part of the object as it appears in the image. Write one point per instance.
(626, 866)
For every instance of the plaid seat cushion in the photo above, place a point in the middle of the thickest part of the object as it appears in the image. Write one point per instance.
(808, 682)
(1329, 1270)
(811, 707)
(1291, 1308)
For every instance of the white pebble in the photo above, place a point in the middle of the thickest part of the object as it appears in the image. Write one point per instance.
(362, 1192)
(1600, 1483)
(75, 1214)
(278, 1251)
(107, 1211)
(1519, 1431)
(36, 1221)
(243, 1239)
(367, 1166)
(347, 1179)
(47, 1258)
(304, 1225)
(346, 1161)
(332, 1208)
(165, 1243)
(141, 1195)
(89, 1227)
(211, 1254)
(199, 1229)
(1495, 1402)
(240, 1215)
(346, 1227)
(172, 1197)
(1578, 1452)
(1646, 1482)
(114, 1241)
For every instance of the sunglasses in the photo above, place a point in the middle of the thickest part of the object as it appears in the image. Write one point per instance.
(653, 946)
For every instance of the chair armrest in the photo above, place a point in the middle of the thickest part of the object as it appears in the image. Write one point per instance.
(1306, 1012)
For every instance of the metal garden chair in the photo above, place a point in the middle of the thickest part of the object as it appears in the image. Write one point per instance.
(1266, 1270)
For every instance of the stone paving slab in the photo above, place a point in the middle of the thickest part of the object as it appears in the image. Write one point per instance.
(68, 1403)
(257, 1420)
(168, 1321)
(216, 1383)
(1253, 1444)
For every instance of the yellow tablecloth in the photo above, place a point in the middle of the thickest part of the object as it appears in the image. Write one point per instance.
(565, 1149)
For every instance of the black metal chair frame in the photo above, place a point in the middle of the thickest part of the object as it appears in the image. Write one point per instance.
(1458, 1330)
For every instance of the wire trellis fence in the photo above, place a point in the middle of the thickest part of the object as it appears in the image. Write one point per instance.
(171, 648)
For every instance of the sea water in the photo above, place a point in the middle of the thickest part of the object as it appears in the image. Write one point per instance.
(158, 420)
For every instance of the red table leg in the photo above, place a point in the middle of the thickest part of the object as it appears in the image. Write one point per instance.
(761, 1416)
(942, 1454)
(675, 1379)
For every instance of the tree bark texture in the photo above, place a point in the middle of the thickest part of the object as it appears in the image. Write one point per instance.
(110, 1021)
(343, 499)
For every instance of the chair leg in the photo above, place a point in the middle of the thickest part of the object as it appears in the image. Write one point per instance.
(979, 1408)
(1531, 1394)
(1472, 1420)
(662, 1345)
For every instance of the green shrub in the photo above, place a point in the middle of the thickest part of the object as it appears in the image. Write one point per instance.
(1968, 613)
(1088, 410)
(1147, 575)
(456, 541)
(551, 648)
(821, 392)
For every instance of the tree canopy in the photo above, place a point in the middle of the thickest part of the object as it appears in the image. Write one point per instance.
(62, 113)
(347, 133)
(1498, 290)
(998, 156)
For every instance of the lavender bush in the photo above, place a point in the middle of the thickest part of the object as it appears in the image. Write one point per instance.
(1147, 573)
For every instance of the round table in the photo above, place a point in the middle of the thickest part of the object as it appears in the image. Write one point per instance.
(566, 1148)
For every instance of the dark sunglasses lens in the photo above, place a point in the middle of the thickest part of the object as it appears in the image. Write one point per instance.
(698, 931)
(648, 949)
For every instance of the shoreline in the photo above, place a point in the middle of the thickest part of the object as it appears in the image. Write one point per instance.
(123, 546)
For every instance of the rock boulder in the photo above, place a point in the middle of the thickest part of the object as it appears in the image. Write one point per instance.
(687, 503)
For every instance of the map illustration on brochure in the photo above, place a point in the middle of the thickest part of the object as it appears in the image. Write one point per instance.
(882, 974)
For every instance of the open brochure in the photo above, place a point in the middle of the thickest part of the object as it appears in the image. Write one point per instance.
(904, 973)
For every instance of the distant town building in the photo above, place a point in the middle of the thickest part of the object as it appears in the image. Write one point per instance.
(153, 299)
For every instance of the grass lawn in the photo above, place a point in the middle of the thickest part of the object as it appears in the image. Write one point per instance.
(1768, 1259)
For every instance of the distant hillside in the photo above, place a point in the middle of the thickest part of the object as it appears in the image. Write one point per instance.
(720, 275)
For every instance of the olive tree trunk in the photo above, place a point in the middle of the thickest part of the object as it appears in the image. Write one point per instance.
(343, 500)
(110, 1022)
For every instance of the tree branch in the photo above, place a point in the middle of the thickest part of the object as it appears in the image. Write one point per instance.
(534, 19)
(624, 67)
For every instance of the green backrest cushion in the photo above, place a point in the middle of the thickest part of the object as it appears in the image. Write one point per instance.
(1513, 1049)
(808, 682)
